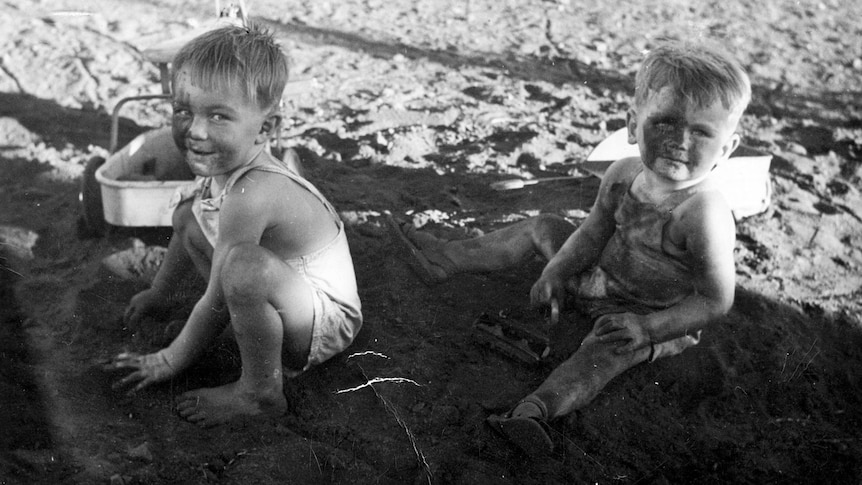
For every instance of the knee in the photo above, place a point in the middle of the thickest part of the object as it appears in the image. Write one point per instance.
(246, 273)
(551, 230)
(552, 223)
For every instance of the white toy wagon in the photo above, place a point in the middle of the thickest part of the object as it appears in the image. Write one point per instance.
(133, 186)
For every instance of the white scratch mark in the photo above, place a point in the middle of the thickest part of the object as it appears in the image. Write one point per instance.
(368, 352)
(420, 457)
(378, 380)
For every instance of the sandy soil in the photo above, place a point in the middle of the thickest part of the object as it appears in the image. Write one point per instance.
(415, 108)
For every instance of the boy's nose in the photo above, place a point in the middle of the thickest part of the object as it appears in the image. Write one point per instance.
(197, 128)
(680, 137)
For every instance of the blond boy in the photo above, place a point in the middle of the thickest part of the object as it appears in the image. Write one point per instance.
(272, 248)
(652, 264)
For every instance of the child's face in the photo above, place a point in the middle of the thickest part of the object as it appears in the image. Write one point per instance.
(679, 141)
(217, 131)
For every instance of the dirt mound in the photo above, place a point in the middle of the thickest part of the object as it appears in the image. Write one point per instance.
(420, 119)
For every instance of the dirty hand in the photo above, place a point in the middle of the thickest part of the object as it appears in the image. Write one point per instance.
(549, 291)
(144, 303)
(145, 369)
(626, 328)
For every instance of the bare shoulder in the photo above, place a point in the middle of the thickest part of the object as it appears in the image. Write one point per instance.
(278, 195)
(622, 170)
(286, 217)
(708, 204)
(706, 213)
(260, 188)
(616, 181)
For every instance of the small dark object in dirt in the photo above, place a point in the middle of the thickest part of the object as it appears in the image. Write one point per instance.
(512, 338)
(91, 223)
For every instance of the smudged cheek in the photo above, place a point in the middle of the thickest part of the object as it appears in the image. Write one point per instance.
(653, 147)
(660, 142)
(179, 128)
(205, 165)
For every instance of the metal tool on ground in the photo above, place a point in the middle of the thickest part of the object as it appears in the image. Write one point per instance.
(514, 184)
(513, 338)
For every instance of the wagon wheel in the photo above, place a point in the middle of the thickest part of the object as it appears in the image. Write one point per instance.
(92, 222)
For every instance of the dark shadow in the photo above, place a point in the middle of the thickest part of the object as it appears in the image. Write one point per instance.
(770, 395)
(463, 193)
(58, 126)
(23, 417)
(832, 109)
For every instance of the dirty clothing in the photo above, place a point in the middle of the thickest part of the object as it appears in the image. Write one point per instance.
(635, 274)
(329, 270)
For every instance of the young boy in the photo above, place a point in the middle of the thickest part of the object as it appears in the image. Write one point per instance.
(272, 249)
(653, 263)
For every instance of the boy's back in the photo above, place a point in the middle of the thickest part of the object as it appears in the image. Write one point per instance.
(291, 215)
(295, 221)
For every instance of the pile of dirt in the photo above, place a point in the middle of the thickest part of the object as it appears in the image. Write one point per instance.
(419, 120)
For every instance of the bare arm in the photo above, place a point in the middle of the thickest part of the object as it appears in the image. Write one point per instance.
(584, 247)
(173, 270)
(241, 220)
(710, 234)
(262, 209)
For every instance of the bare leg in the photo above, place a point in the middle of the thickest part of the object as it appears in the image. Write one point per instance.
(573, 384)
(271, 316)
(500, 249)
(577, 381)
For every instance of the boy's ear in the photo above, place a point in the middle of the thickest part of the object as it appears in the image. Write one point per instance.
(632, 125)
(269, 127)
(731, 145)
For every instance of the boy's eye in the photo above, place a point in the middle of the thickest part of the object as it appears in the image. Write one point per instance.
(218, 117)
(178, 111)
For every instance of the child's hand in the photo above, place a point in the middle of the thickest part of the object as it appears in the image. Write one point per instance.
(549, 291)
(625, 328)
(146, 369)
(147, 302)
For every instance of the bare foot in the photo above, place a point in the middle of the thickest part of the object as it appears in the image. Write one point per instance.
(424, 251)
(212, 406)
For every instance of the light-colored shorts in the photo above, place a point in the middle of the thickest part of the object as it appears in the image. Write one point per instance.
(337, 310)
(333, 330)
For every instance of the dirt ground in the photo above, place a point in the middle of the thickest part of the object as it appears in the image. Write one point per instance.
(416, 108)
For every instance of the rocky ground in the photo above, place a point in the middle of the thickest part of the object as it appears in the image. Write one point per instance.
(416, 108)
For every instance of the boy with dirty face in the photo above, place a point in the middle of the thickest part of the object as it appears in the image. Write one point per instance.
(652, 264)
(272, 248)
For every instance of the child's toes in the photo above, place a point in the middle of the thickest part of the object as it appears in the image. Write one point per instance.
(187, 404)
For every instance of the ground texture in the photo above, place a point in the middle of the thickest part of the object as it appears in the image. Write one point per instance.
(416, 108)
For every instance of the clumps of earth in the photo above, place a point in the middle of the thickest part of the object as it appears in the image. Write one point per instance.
(418, 120)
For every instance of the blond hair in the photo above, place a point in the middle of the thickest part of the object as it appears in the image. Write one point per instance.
(698, 72)
(231, 56)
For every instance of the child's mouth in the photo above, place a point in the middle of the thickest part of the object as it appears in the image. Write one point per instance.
(198, 152)
(675, 160)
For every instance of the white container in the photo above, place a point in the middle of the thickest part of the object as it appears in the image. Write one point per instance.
(139, 181)
(743, 178)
